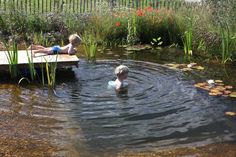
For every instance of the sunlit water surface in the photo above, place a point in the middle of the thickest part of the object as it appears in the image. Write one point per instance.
(161, 109)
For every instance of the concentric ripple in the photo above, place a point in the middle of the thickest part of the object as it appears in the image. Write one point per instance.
(162, 108)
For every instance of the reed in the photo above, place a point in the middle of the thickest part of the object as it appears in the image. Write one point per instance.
(51, 72)
(226, 41)
(31, 65)
(90, 45)
(12, 57)
(188, 38)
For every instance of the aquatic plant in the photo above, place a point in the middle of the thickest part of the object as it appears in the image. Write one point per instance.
(90, 45)
(227, 40)
(51, 68)
(31, 65)
(156, 43)
(12, 57)
(188, 38)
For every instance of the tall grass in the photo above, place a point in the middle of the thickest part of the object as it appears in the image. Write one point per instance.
(132, 37)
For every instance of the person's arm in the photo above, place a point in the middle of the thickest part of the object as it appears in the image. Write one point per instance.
(71, 49)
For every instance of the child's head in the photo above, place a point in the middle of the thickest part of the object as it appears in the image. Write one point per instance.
(122, 72)
(74, 39)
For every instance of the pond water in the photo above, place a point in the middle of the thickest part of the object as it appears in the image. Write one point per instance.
(82, 117)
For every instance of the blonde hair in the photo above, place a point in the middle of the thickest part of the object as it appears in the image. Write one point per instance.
(74, 38)
(121, 69)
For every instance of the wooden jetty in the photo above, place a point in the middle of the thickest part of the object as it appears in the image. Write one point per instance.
(63, 60)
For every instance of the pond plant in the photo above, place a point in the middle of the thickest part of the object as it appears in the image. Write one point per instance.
(51, 68)
(12, 57)
(32, 70)
(227, 42)
(90, 45)
(188, 39)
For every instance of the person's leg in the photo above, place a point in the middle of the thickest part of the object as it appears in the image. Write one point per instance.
(46, 51)
(36, 47)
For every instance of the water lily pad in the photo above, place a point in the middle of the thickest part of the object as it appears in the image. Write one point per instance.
(218, 81)
(214, 91)
(213, 94)
(220, 84)
(229, 87)
(233, 95)
(186, 69)
(227, 92)
(229, 113)
(198, 67)
(191, 65)
(138, 47)
(220, 88)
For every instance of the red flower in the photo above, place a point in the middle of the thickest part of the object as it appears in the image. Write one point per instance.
(139, 12)
(117, 23)
(149, 9)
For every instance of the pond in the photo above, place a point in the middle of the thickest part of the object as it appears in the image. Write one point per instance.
(82, 117)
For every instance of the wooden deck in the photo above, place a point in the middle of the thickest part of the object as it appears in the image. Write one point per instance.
(63, 60)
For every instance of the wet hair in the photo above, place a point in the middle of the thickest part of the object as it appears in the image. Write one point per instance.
(74, 38)
(121, 69)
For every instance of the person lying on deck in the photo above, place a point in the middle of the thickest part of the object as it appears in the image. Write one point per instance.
(74, 40)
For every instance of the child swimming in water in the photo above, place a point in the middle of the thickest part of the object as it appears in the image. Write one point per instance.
(74, 40)
(121, 73)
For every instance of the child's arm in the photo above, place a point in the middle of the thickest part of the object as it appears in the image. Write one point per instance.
(71, 50)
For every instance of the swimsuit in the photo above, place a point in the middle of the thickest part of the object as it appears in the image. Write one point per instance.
(56, 49)
(112, 84)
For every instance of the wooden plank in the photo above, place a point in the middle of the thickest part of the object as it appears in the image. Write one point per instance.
(63, 60)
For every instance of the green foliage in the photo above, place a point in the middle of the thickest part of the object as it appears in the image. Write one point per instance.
(51, 72)
(90, 45)
(31, 65)
(156, 43)
(227, 43)
(188, 38)
(12, 57)
(41, 39)
(132, 36)
(116, 25)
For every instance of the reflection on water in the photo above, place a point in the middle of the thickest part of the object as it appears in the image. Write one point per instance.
(161, 109)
